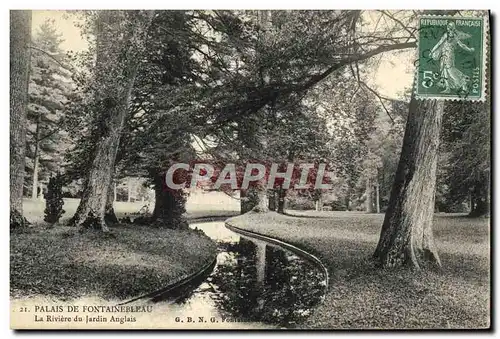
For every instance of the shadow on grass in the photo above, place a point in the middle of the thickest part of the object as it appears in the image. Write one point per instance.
(64, 263)
(362, 295)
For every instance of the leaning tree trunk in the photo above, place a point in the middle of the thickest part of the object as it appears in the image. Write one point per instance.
(117, 62)
(20, 38)
(406, 238)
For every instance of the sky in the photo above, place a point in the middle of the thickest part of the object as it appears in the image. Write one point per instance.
(390, 78)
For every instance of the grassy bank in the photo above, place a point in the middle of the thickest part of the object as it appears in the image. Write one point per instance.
(63, 263)
(362, 296)
(198, 205)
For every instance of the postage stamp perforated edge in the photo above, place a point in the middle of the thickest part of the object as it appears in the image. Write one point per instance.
(484, 62)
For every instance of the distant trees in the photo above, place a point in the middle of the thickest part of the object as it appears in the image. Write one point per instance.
(244, 86)
(465, 174)
(50, 89)
(274, 71)
(20, 39)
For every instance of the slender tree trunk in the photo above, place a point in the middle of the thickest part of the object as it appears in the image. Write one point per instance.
(471, 202)
(480, 205)
(281, 200)
(406, 238)
(348, 199)
(272, 194)
(128, 190)
(116, 68)
(377, 197)
(368, 193)
(319, 203)
(34, 188)
(20, 39)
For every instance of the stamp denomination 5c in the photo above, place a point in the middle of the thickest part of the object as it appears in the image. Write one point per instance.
(451, 61)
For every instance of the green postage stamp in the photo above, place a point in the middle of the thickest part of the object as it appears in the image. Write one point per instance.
(452, 55)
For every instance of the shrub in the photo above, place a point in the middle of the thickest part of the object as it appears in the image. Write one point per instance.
(54, 200)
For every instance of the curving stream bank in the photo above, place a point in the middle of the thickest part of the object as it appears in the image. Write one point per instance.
(253, 283)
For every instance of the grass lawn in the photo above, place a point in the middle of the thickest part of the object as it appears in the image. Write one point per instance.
(65, 264)
(362, 296)
(198, 205)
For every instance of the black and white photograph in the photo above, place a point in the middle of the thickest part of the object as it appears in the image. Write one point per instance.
(250, 169)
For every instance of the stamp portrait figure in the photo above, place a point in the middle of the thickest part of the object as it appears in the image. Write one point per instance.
(451, 78)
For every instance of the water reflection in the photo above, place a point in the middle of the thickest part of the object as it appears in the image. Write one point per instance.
(254, 281)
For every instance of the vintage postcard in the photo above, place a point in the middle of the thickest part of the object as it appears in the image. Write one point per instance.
(250, 169)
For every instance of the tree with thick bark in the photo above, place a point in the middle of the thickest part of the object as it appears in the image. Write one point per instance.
(20, 39)
(109, 212)
(406, 238)
(120, 38)
(169, 205)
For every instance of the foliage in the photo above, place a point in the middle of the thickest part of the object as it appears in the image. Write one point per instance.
(54, 200)
(465, 156)
(50, 90)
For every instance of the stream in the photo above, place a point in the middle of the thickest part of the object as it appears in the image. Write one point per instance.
(254, 284)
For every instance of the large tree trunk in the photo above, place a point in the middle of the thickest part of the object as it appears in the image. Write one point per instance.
(36, 158)
(109, 213)
(406, 238)
(254, 199)
(368, 193)
(262, 202)
(20, 38)
(169, 205)
(117, 63)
